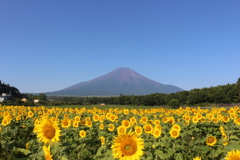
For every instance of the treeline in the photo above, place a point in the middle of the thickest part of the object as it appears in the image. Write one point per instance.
(222, 94)
(10, 90)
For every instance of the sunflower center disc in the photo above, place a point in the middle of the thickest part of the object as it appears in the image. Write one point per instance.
(210, 140)
(129, 147)
(49, 132)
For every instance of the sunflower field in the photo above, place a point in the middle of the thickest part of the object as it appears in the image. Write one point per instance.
(38, 133)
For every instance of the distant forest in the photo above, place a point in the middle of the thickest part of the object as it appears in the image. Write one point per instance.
(222, 94)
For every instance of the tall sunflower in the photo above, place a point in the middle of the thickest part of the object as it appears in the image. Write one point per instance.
(48, 130)
(233, 155)
(127, 146)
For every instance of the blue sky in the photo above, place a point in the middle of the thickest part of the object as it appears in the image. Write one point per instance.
(50, 45)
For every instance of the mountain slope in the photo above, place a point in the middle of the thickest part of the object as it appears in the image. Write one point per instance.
(120, 80)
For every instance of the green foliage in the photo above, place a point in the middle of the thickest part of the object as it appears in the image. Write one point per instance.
(174, 103)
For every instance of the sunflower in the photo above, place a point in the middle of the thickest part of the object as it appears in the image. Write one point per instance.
(5, 121)
(95, 117)
(47, 154)
(171, 120)
(177, 127)
(187, 119)
(156, 132)
(133, 120)
(66, 123)
(18, 118)
(226, 119)
(195, 119)
(138, 130)
(121, 130)
(88, 123)
(102, 140)
(233, 155)
(126, 123)
(77, 118)
(237, 121)
(111, 127)
(127, 146)
(82, 133)
(30, 114)
(126, 111)
(148, 128)
(101, 118)
(112, 117)
(215, 120)
(47, 130)
(101, 126)
(75, 124)
(197, 158)
(144, 120)
(156, 122)
(174, 133)
(165, 119)
(211, 140)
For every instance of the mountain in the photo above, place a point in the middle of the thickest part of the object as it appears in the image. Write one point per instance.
(120, 80)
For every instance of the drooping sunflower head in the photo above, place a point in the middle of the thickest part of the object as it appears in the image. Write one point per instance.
(47, 130)
(127, 146)
(233, 155)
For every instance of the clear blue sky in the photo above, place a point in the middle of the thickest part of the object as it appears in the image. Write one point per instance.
(50, 45)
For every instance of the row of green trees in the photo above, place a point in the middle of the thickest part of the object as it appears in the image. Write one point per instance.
(222, 94)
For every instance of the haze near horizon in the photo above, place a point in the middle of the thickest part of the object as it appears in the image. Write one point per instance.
(47, 45)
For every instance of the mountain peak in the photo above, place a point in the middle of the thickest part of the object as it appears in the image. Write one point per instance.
(121, 80)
